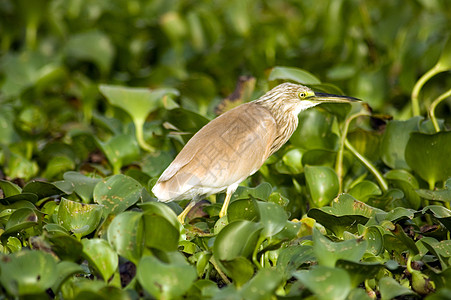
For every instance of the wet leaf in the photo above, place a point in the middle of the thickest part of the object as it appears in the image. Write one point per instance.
(81, 219)
(322, 183)
(117, 193)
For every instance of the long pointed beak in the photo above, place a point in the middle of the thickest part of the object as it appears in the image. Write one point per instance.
(331, 98)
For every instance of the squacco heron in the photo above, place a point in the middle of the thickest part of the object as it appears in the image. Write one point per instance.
(235, 145)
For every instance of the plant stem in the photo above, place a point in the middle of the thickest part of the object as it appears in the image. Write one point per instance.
(140, 136)
(434, 105)
(419, 84)
(380, 179)
(339, 163)
(218, 269)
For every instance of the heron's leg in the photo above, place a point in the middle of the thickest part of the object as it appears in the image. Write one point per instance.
(183, 214)
(230, 190)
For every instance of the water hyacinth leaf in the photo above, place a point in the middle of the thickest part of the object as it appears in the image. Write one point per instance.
(426, 153)
(28, 272)
(364, 190)
(94, 46)
(243, 209)
(407, 183)
(117, 193)
(240, 269)
(322, 183)
(83, 185)
(291, 258)
(165, 280)
(292, 161)
(390, 289)
(65, 269)
(263, 285)
(295, 74)
(440, 213)
(120, 150)
(125, 234)
(101, 256)
(441, 250)
(80, 218)
(262, 191)
(359, 271)
(366, 143)
(374, 238)
(236, 239)
(42, 189)
(326, 282)
(394, 141)
(438, 194)
(29, 197)
(163, 210)
(21, 219)
(315, 132)
(273, 217)
(319, 157)
(344, 214)
(159, 233)
(138, 103)
(328, 252)
(9, 188)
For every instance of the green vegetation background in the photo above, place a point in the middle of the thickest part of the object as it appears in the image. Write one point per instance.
(97, 97)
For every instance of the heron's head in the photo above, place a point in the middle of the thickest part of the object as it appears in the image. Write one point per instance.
(290, 98)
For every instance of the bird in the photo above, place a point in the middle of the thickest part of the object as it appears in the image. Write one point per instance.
(235, 145)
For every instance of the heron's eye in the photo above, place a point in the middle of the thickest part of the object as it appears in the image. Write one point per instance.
(302, 95)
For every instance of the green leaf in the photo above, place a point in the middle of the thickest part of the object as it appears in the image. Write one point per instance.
(390, 289)
(120, 150)
(125, 234)
(263, 285)
(240, 269)
(394, 142)
(94, 46)
(42, 189)
(426, 153)
(325, 282)
(27, 272)
(20, 219)
(440, 213)
(294, 74)
(291, 258)
(273, 218)
(160, 209)
(117, 193)
(159, 233)
(243, 209)
(9, 189)
(165, 280)
(406, 182)
(65, 269)
(236, 239)
(365, 190)
(322, 183)
(328, 252)
(359, 271)
(101, 256)
(80, 218)
(83, 185)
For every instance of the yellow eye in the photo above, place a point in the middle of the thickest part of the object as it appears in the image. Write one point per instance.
(302, 95)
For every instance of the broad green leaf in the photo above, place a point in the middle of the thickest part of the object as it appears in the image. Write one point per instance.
(125, 234)
(294, 74)
(165, 280)
(373, 236)
(364, 190)
(120, 150)
(236, 239)
(65, 269)
(262, 192)
(9, 189)
(263, 285)
(20, 219)
(138, 103)
(243, 209)
(394, 142)
(159, 233)
(42, 189)
(328, 252)
(240, 269)
(344, 214)
(314, 131)
(322, 183)
(441, 250)
(441, 213)
(406, 182)
(117, 193)
(28, 272)
(94, 46)
(390, 289)
(83, 185)
(81, 219)
(426, 154)
(101, 256)
(325, 282)
(359, 271)
(319, 157)
(163, 210)
(291, 258)
(272, 217)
